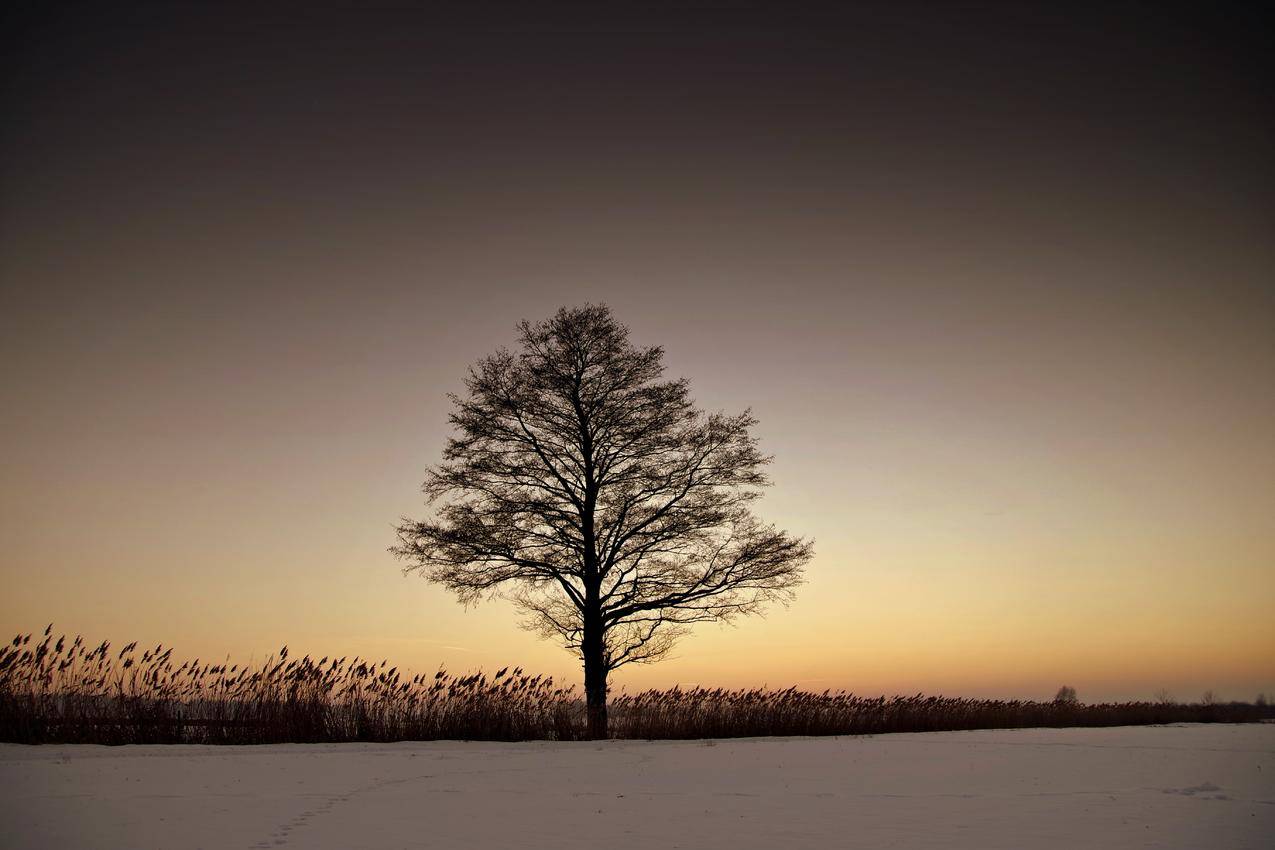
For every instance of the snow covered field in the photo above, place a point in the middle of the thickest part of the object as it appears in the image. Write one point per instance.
(1179, 786)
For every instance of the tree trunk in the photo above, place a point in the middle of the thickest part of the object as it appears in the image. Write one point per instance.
(595, 683)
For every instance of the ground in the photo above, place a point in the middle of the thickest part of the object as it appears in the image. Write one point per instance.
(1199, 786)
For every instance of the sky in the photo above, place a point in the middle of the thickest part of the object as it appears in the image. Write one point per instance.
(998, 285)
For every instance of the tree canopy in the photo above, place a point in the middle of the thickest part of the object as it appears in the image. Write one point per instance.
(590, 490)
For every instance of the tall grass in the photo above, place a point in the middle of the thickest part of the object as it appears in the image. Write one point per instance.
(705, 713)
(55, 690)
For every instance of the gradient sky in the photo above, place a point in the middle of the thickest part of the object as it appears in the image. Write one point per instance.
(999, 286)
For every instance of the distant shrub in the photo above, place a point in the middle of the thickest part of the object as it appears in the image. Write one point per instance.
(1066, 694)
(55, 691)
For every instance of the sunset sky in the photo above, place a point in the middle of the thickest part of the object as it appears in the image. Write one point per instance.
(999, 286)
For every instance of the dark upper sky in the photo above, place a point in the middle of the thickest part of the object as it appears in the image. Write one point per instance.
(200, 129)
(947, 254)
(350, 104)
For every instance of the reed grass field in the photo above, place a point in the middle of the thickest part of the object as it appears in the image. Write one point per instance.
(64, 690)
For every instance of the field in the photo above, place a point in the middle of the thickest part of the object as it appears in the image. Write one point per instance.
(1178, 786)
(60, 690)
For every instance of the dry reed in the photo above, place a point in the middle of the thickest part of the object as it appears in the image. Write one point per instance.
(55, 690)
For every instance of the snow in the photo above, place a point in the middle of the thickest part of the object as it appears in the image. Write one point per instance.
(1172, 786)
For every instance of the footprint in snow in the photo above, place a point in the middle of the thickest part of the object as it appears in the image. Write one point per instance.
(1202, 788)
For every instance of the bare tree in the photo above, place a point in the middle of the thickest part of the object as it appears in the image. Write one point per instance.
(594, 494)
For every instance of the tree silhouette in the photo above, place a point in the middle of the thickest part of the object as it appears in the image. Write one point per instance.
(595, 495)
